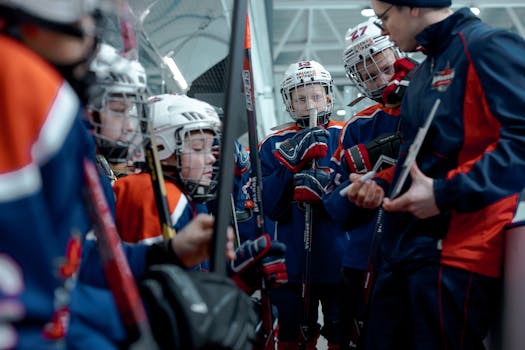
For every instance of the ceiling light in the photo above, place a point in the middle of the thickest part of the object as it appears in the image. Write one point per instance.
(367, 12)
(475, 10)
(341, 112)
(177, 75)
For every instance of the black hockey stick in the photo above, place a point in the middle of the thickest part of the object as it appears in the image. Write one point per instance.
(226, 171)
(256, 181)
(115, 264)
(307, 244)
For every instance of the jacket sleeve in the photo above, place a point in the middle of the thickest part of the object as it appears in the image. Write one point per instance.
(277, 183)
(495, 174)
(91, 270)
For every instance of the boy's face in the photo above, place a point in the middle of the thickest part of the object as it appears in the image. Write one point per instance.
(117, 120)
(376, 71)
(197, 157)
(309, 96)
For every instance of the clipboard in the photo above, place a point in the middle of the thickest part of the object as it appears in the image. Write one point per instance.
(413, 150)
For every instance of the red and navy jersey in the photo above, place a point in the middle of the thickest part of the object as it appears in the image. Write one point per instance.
(474, 149)
(278, 205)
(42, 213)
(362, 128)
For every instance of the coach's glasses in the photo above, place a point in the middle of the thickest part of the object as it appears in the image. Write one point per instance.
(379, 21)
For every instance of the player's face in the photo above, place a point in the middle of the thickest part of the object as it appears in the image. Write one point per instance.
(376, 71)
(197, 157)
(118, 121)
(309, 96)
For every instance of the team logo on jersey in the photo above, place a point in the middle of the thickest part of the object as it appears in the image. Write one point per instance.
(442, 79)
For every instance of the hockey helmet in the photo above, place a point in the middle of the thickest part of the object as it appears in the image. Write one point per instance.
(177, 119)
(303, 74)
(367, 59)
(117, 104)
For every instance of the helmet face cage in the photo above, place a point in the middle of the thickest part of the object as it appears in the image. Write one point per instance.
(187, 132)
(307, 85)
(117, 105)
(196, 172)
(369, 58)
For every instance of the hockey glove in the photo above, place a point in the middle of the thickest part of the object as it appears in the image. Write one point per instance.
(394, 91)
(310, 185)
(256, 257)
(242, 159)
(362, 158)
(304, 146)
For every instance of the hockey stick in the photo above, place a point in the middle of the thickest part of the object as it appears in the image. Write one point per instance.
(307, 240)
(159, 186)
(226, 172)
(256, 180)
(125, 18)
(116, 267)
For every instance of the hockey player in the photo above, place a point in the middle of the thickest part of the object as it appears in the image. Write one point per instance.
(116, 109)
(289, 182)
(445, 230)
(41, 170)
(370, 61)
(186, 130)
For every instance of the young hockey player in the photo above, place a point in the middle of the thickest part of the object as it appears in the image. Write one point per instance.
(116, 110)
(42, 44)
(370, 63)
(186, 130)
(292, 182)
(445, 230)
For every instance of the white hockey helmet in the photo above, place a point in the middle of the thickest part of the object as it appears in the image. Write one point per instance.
(307, 73)
(55, 11)
(115, 74)
(363, 44)
(117, 104)
(176, 118)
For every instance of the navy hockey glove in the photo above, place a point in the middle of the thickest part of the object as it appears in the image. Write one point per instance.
(304, 146)
(310, 185)
(362, 158)
(242, 159)
(256, 257)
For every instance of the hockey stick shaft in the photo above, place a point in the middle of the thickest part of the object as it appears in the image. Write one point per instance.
(115, 264)
(159, 186)
(226, 172)
(307, 240)
(256, 176)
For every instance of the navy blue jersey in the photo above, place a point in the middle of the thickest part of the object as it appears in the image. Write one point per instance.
(360, 225)
(327, 238)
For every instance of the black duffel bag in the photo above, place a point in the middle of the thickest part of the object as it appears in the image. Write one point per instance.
(197, 310)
